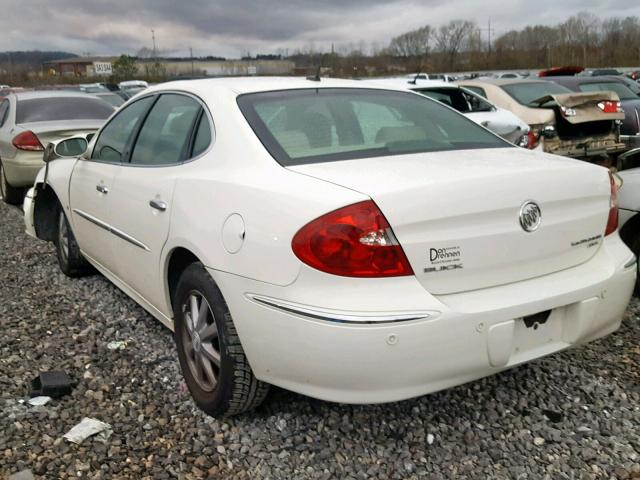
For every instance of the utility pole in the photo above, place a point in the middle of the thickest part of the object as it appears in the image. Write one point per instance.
(191, 55)
(489, 29)
(153, 39)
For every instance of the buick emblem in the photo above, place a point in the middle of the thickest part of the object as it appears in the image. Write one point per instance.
(530, 216)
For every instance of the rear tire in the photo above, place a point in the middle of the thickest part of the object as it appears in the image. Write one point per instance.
(634, 246)
(10, 195)
(211, 357)
(71, 261)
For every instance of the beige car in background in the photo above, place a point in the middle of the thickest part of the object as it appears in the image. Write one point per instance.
(29, 121)
(578, 125)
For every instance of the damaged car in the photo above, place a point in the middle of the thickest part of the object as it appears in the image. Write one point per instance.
(630, 127)
(578, 125)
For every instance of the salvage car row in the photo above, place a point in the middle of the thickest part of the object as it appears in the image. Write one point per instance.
(353, 241)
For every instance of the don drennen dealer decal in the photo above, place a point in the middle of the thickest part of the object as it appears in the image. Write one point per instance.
(443, 259)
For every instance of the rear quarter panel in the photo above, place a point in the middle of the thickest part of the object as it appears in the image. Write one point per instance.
(238, 176)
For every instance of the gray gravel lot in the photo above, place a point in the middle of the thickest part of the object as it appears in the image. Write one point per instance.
(574, 415)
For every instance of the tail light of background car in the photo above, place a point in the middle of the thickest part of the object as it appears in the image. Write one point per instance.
(27, 141)
(353, 241)
(610, 107)
(612, 221)
(533, 138)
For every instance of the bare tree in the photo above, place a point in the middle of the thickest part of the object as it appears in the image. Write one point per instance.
(451, 39)
(416, 43)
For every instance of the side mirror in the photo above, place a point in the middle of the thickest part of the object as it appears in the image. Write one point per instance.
(69, 147)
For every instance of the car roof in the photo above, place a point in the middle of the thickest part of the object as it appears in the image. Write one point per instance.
(502, 81)
(49, 94)
(408, 83)
(243, 85)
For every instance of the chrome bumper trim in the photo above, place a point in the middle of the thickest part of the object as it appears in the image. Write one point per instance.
(338, 316)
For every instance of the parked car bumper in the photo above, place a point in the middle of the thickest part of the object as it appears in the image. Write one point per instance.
(356, 349)
(631, 141)
(584, 148)
(21, 170)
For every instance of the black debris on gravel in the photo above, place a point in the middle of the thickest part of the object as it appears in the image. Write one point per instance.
(574, 415)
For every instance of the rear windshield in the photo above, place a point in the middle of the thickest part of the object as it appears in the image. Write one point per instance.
(330, 124)
(61, 108)
(623, 92)
(525, 93)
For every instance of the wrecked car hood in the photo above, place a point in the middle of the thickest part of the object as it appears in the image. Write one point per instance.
(584, 104)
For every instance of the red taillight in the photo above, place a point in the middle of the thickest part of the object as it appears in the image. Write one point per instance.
(533, 139)
(353, 241)
(610, 107)
(27, 141)
(612, 221)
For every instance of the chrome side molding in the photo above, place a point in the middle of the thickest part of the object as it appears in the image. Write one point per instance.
(111, 229)
(339, 316)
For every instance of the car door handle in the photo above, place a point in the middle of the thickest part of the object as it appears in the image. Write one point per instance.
(102, 188)
(158, 205)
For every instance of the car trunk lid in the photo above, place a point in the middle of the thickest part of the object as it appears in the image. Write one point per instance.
(582, 107)
(52, 131)
(457, 214)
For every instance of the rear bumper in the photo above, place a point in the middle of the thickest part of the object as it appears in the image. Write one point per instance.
(631, 141)
(452, 339)
(21, 171)
(585, 148)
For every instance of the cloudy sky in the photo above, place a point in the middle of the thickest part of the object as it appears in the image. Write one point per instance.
(233, 27)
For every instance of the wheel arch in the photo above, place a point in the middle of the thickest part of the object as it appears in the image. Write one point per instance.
(177, 261)
(45, 212)
(630, 229)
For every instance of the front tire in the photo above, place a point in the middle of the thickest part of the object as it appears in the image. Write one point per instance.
(211, 357)
(70, 259)
(10, 195)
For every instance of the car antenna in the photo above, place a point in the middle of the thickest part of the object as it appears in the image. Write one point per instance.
(316, 77)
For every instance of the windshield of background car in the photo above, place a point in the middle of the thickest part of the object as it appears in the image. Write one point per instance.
(525, 93)
(623, 92)
(331, 124)
(61, 108)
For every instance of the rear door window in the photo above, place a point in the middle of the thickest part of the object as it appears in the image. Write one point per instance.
(50, 109)
(202, 139)
(164, 137)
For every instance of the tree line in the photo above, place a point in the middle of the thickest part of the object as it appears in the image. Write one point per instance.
(463, 45)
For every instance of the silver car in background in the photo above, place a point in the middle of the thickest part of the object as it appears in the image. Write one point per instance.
(29, 121)
(477, 108)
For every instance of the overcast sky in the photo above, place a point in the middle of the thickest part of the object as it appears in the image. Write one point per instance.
(233, 27)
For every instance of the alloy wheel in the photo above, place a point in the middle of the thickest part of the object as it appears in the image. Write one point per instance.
(63, 238)
(201, 341)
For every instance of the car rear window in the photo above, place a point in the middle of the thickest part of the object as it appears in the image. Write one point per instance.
(525, 93)
(331, 124)
(61, 108)
(623, 92)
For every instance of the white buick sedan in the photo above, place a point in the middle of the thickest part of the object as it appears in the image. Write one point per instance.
(352, 243)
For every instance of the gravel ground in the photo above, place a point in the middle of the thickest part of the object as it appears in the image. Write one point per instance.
(574, 415)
